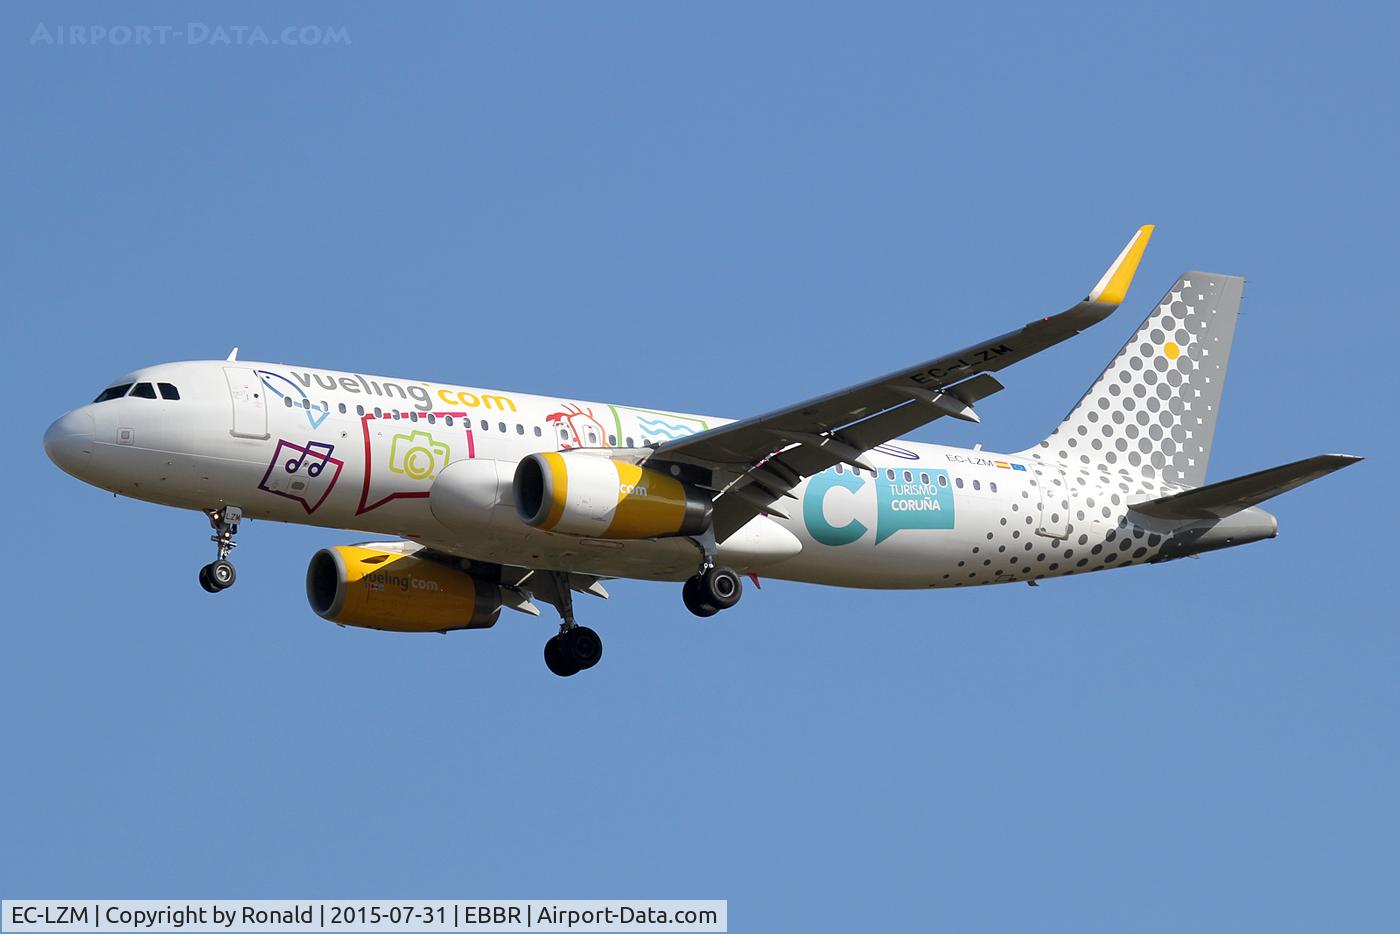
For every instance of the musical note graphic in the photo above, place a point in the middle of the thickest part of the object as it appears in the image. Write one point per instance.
(298, 477)
(310, 450)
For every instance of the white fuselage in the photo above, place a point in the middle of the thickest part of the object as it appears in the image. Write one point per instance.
(349, 451)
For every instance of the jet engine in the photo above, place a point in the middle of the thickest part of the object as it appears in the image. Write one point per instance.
(374, 587)
(584, 494)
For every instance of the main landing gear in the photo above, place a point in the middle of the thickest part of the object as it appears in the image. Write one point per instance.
(715, 588)
(219, 574)
(576, 648)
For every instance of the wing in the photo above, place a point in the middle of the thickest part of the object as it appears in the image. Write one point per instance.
(757, 460)
(520, 586)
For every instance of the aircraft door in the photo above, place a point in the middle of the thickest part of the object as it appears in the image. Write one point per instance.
(1054, 502)
(249, 403)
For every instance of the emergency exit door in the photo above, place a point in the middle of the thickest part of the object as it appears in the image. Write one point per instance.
(1054, 502)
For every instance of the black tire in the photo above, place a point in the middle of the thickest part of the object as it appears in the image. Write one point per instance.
(690, 593)
(204, 581)
(554, 659)
(581, 647)
(720, 587)
(222, 575)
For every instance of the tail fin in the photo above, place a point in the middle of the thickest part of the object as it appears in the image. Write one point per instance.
(1152, 412)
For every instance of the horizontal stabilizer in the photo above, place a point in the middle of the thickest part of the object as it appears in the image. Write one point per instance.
(1218, 500)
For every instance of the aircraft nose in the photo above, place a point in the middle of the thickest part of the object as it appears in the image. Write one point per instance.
(68, 442)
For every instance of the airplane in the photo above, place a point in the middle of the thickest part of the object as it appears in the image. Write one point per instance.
(493, 500)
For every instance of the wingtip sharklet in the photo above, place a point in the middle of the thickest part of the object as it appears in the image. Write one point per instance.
(1113, 287)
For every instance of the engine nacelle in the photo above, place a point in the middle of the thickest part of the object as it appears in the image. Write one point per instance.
(372, 588)
(584, 494)
(474, 495)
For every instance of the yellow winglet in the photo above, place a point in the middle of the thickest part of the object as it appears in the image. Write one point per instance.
(1113, 287)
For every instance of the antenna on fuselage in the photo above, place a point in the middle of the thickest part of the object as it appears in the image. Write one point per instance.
(232, 355)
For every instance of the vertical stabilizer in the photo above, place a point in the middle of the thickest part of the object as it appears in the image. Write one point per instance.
(1153, 411)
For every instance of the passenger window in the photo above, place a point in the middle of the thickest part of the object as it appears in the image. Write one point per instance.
(168, 391)
(612, 441)
(112, 392)
(840, 468)
(977, 484)
(908, 477)
(592, 436)
(306, 403)
(538, 433)
(960, 483)
(501, 426)
(287, 401)
(519, 428)
(448, 420)
(342, 408)
(485, 425)
(432, 419)
(360, 411)
(923, 478)
(144, 391)
(413, 416)
(943, 479)
(466, 422)
(993, 486)
(889, 473)
(378, 412)
(629, 443)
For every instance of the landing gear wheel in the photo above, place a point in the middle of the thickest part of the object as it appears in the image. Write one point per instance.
(221, 574)
(205, 582)
(580, 646)
(720, 587)
(554, 658)
(690, 593)
(576, 648)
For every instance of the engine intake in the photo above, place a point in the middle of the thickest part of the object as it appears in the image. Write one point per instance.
(584, 494)
(354, 585)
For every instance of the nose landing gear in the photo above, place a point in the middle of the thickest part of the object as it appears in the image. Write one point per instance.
(219, 574)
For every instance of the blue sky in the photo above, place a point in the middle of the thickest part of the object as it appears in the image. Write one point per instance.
(716, 208)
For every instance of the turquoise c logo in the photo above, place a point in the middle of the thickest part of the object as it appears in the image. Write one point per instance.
(813, 514)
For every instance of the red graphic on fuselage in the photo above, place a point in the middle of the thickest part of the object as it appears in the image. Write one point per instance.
(414, 452)
(571, 424)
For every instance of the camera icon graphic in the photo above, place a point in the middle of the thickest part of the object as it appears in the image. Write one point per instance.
(417, 455)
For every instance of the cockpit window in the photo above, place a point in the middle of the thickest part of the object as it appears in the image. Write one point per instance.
(168, 391)
(144, 391)
(112, 392)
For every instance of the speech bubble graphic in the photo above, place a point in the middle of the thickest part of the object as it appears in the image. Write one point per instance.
(306, 473)
(899, 504)
(403, 457)
(913, 504)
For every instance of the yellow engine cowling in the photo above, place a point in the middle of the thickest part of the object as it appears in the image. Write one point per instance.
(376, 589)
(584, 494)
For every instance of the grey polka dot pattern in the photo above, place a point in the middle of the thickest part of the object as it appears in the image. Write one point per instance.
(1152, 413)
